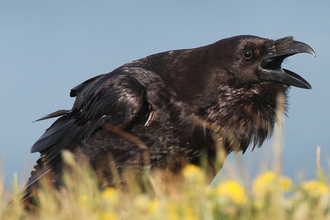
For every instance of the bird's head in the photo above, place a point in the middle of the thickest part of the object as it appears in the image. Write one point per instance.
(251, 59)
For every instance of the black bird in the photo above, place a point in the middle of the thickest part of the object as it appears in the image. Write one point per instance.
(172, 105)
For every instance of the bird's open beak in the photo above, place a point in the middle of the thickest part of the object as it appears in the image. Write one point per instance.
(271, 69)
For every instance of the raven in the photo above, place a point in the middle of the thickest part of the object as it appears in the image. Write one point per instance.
(174, 106)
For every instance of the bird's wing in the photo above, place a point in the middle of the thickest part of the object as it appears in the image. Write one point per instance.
(117, 98)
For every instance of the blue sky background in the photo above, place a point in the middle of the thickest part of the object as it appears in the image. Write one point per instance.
(48, 47)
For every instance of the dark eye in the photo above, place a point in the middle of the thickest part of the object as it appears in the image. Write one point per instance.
(247, 54)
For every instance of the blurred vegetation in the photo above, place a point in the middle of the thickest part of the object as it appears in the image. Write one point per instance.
(162, 195)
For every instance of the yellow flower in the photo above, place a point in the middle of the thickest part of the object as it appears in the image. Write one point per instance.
(315, 187)
(108, 192)
(261, 183)
(193, 173)
(153, 205)
(190, 170)
(83, 198)
(285, 184)
(269, 181)
(107, 216)
(110, 195)
(232, 190)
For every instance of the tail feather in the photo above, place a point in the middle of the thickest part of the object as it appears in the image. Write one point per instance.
(55, 114)
(53, 135)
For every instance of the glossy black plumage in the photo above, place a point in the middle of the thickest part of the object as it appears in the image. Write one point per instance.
(164, 104)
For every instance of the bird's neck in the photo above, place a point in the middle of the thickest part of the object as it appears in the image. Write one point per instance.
(248, 113)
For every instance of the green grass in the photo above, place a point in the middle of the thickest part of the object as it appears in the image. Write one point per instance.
(161, 195)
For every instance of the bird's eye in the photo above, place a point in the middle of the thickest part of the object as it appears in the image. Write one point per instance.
(247, 54)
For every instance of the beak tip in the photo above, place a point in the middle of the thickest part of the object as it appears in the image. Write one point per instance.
(306, 85)
(313, 53)
(301, 47)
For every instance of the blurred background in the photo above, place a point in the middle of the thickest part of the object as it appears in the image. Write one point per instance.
(48, 47)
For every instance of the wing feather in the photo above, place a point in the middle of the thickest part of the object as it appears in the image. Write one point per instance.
(117, 98)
